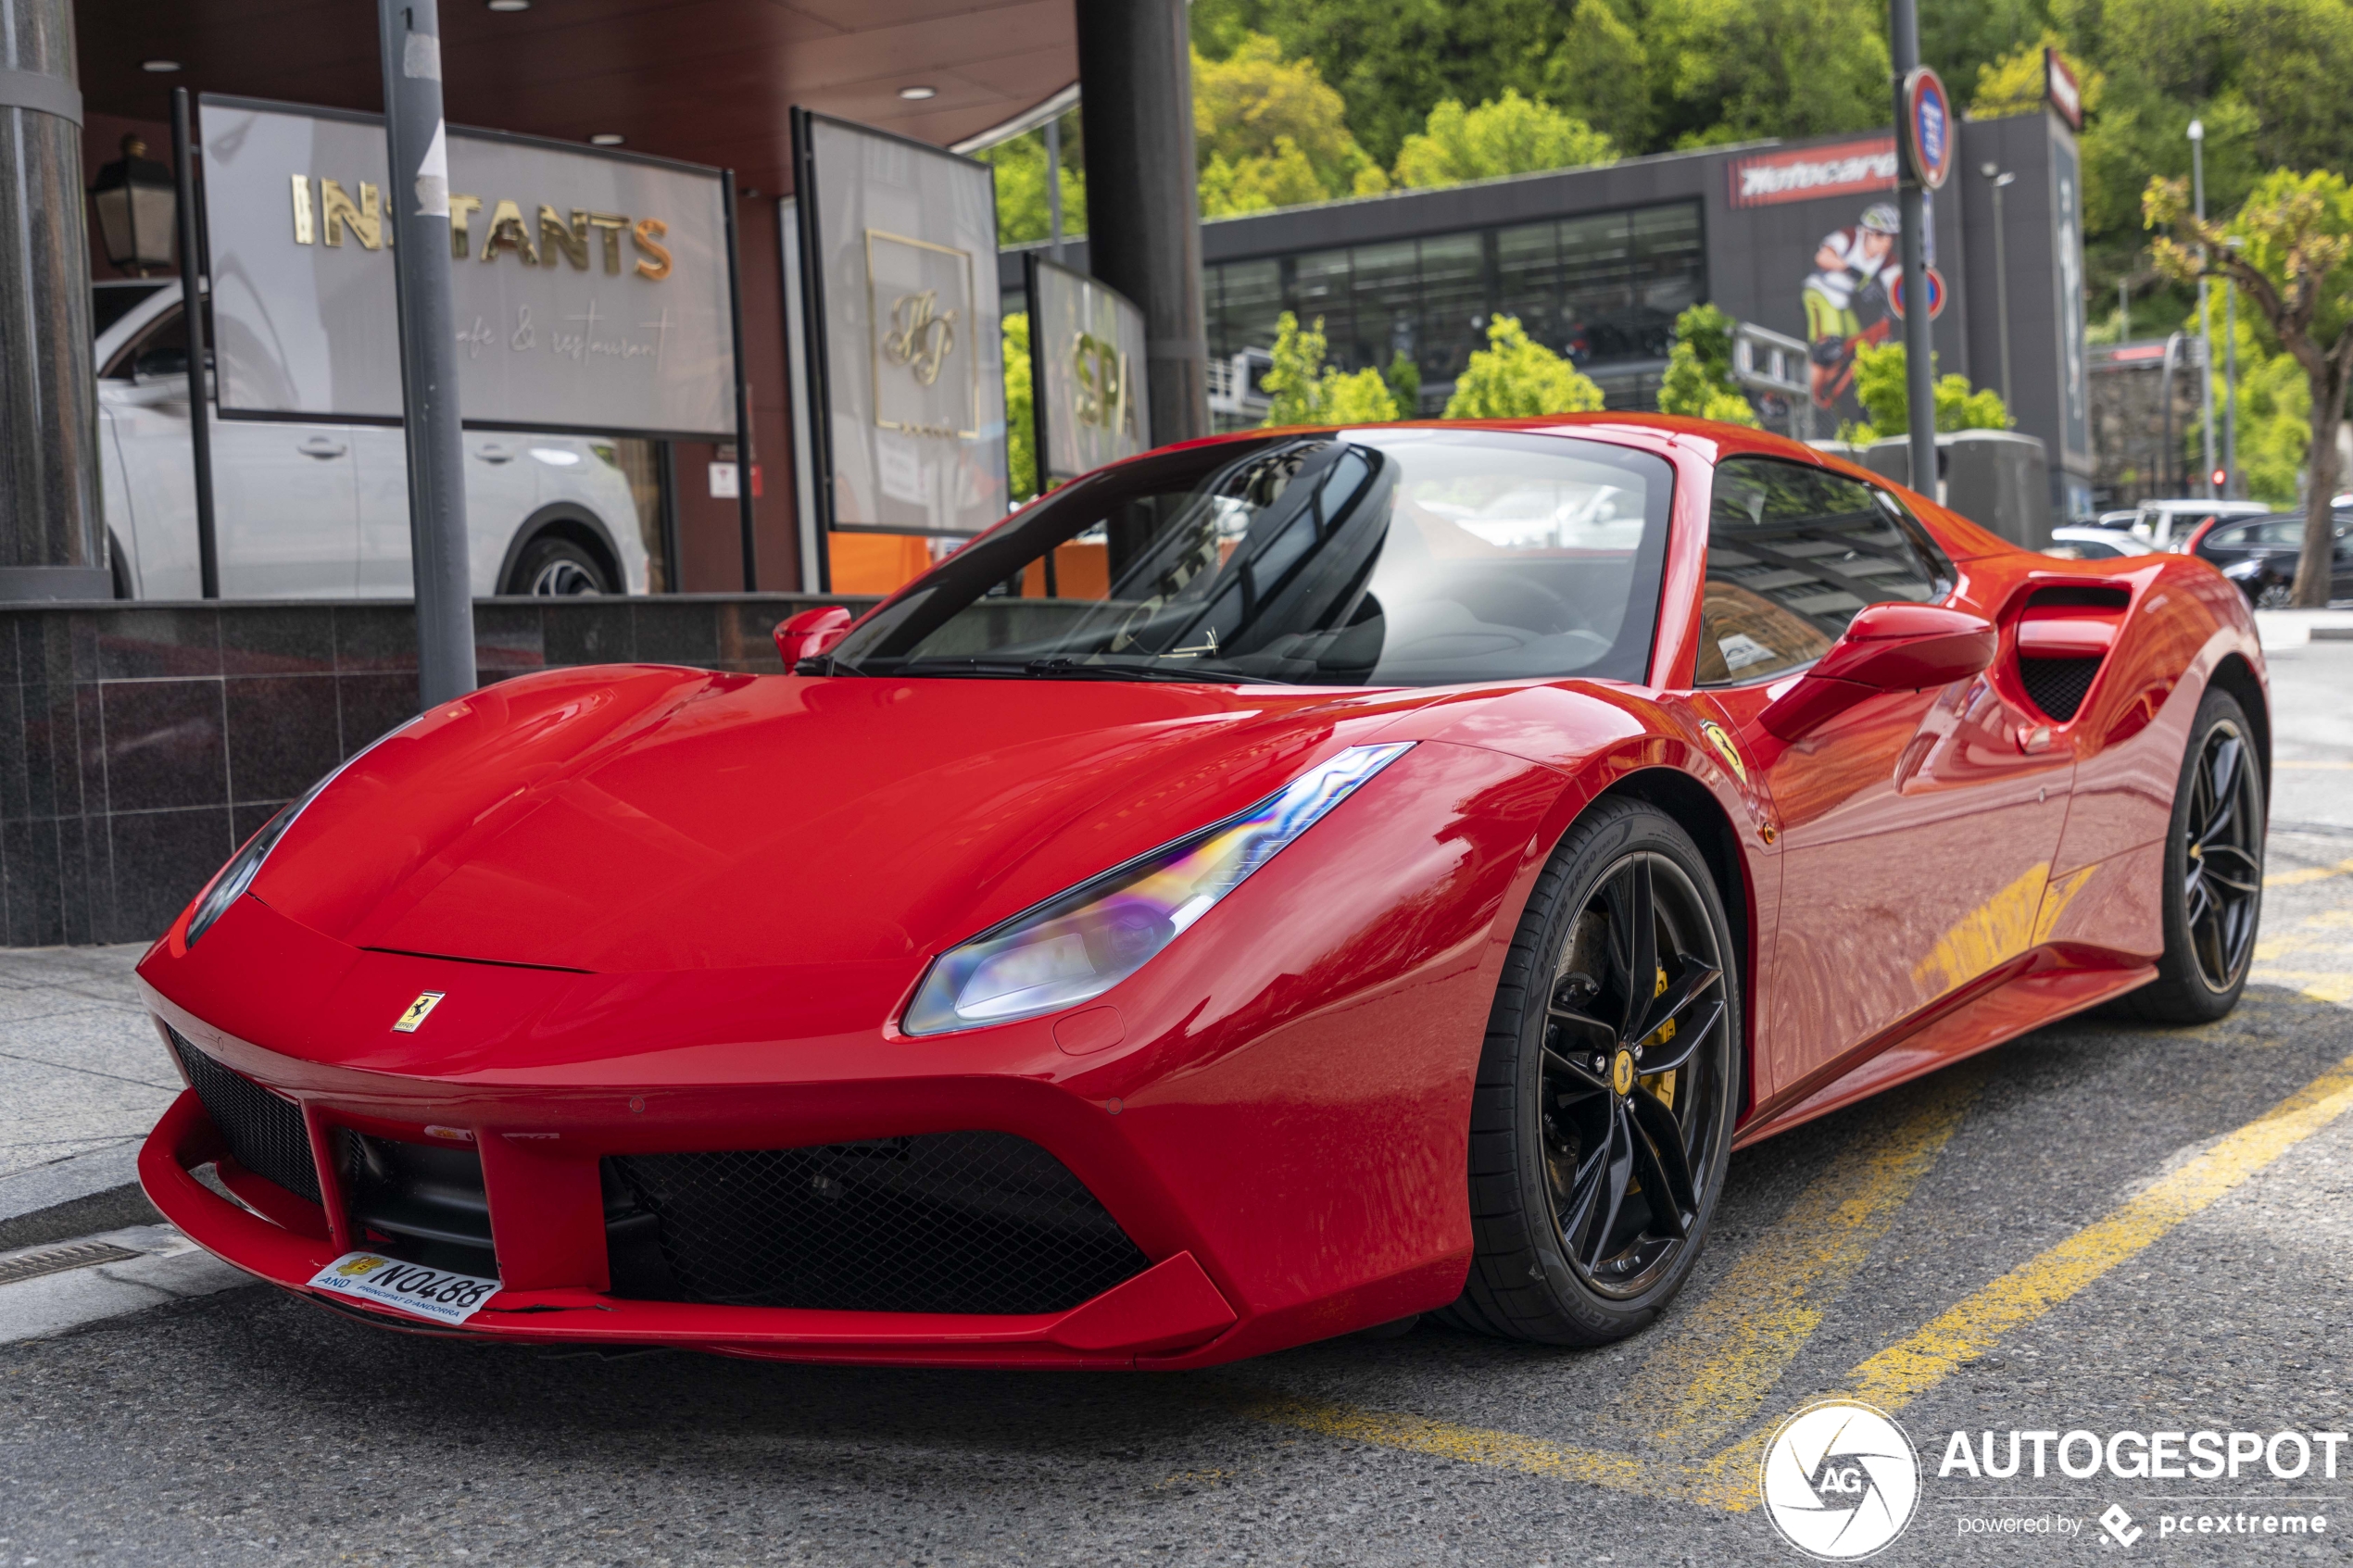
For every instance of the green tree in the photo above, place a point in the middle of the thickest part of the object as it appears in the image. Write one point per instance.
(2012, 83)
(1404, 379)
(1393, 60)
(1022, 214)
(1879, 387)
(1269, 132)
(1961, 39)
(1727, 70)
(1599, 72)
(1515, 377)
(2286, 249)
(1021, 413)
(1510, 135)
(1302, 390)
(1699, 371)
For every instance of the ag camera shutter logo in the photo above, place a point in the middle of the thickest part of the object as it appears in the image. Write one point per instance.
(1840, 1480)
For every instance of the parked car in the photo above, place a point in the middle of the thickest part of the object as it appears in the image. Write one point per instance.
(320, 511)
(2261, 557)
(2097, 543)
(1339, 901)
(2166, 523)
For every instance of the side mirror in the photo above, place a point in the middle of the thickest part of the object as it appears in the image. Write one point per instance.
(1889, 648)
(812, 632)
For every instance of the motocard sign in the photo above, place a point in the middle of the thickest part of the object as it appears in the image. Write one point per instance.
(898, 277)
(590, 286)
(1086, 370)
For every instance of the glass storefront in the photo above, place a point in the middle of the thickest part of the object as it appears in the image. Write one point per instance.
(1603, 287)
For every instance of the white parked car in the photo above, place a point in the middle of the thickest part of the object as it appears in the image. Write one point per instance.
(2166, 523)
(2098, 544)
(320, 511)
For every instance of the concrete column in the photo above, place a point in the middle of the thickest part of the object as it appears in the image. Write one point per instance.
(51, 529)
(1143, 228)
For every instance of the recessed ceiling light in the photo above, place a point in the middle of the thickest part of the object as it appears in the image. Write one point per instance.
(606, 139)
(917, 94)
(160, 66)
(510, 4)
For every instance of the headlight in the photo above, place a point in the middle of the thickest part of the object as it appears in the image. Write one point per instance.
(230, 883)
(1082, 943)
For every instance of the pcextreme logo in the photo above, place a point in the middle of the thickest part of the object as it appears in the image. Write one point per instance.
(1840, 1480)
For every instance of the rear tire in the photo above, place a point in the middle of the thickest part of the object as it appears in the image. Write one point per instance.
(2214, 899)
(1600, 1135)
(553, 566)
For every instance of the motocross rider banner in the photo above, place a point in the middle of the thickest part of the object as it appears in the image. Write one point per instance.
(1827, 243)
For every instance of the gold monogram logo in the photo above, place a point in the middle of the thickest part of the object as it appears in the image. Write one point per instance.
(921, 335)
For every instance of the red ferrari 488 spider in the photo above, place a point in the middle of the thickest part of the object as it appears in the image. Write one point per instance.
(1270, 888)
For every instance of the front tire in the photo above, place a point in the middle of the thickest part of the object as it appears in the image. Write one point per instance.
(1601, 1122)
(2213, 872)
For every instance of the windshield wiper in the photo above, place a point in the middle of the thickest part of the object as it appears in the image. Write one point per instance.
(1063, 667)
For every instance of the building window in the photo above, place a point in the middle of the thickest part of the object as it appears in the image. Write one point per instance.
(1604, 288)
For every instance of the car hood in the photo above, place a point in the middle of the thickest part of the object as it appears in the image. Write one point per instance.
(648, 818)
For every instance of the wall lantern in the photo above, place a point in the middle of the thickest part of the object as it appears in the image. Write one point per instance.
(137, 202)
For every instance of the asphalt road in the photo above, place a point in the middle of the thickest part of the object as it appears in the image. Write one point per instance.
(2098, 1227)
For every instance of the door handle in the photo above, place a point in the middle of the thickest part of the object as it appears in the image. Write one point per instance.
(494, 454)
(320, 447)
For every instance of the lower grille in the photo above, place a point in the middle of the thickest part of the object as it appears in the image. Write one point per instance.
(940, 1223)
(420, 1202)
(2057, 685)
(265, 1133)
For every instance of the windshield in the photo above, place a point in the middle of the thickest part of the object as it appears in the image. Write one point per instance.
(1388, 557)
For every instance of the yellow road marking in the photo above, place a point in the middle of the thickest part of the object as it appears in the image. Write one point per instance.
(2318, 985)
(1909, 1368)
(1724, 1358)
(1897, 1375)
(2309, 874)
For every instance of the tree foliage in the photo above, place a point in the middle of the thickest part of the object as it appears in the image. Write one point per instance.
(1510, 135)
(1302, 390)
(1022, 215)
(1880, 387)
(1515, 377)
(1021, 413)
(2013, 83)
(2286, 249)
(1599, 72)
(1727, 70)
(1699, 371)
(1269, 132)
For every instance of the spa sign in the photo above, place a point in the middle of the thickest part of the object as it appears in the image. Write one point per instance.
(590, 287)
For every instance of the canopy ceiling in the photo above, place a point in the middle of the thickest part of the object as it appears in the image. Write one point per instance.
(707, 81)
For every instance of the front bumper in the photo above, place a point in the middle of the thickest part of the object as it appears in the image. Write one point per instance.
(540, 1165)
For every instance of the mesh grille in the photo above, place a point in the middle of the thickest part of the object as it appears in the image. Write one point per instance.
(941, 1222)
(264, 1132)
(2057, 685)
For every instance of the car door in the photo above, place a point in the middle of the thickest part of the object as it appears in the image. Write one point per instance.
(286, 504)
(1917, 828)
(502, 489)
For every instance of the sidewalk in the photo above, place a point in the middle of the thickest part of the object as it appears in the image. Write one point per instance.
(81, 1079)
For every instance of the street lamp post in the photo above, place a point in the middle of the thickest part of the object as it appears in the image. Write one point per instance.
(1919, 371)
(2232, 487)
(1999, 181)
(2205, 331)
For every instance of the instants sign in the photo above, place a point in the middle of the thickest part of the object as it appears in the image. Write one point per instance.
(594, 298)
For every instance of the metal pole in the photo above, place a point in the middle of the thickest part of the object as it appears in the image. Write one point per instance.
(2231, 487)
(1919, 372)
(743, 396)
(2124, 308)
(183, 147)
(2001, 275)
(2205, 323)
(1053, 204)
(418, 193)
(2166, 454)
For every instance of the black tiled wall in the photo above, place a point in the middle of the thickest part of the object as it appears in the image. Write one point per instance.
(140, 743)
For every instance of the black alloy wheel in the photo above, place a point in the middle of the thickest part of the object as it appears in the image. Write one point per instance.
(2213, 872)
(1607, 1090)
(2223, 881)
(553, 566)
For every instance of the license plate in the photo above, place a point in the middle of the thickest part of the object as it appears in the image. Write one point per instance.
(406, 1287)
